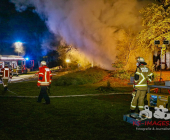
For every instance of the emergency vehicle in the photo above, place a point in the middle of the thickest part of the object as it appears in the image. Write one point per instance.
(16, 62)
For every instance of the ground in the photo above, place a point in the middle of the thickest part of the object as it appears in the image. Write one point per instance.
(71, 118)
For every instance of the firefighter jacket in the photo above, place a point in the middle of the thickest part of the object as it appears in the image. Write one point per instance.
(6, 73)
(44, 76)
(142, 77)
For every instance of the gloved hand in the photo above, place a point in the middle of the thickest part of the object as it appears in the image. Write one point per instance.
(134, 93)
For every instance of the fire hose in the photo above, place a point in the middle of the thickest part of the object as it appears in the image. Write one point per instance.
(22, 80)
(12, 91)
(48, 90)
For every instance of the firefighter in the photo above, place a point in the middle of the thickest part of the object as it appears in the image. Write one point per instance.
(17, 70)
(10, 67)
(141, 78)
(6, 74)
(44, 82)
(0, 73)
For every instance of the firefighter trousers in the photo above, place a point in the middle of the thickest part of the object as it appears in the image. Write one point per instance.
(43, 94)
(5, 84)
(138, 99)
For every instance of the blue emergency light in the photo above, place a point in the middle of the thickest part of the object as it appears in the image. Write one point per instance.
(27, 58)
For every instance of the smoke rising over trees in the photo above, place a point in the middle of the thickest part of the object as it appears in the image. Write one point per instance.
(93, 27)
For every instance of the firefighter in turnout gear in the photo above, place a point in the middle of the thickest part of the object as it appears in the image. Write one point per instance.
(141, 78)
(17, 70)
(6, 74)
(44, 81)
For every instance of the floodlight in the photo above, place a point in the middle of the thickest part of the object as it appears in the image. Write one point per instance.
(156, 42)
(166, 42)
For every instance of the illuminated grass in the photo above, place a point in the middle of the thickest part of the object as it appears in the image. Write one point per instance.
(91, 80)
(30, 88)
(88, 76)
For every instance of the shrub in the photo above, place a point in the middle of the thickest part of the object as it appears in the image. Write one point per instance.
(91, 75)
(122, 74)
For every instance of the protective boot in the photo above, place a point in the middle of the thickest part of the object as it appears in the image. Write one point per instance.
(5, 89)
(132, 114)
(132, 111)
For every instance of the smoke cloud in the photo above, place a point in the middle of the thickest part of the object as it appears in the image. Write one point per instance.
(19, 48)
(92, 26)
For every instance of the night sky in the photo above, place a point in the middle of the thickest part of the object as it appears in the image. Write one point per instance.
(26, 27)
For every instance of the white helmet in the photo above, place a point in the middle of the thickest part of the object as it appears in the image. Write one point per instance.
(43, 63)
(141, 59)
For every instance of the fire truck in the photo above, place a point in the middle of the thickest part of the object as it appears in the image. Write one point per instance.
(16, 62)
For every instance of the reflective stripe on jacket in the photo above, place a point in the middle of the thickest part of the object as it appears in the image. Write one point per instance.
(6, 73)
(142, 75)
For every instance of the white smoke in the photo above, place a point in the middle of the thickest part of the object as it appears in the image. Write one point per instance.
(19, 48)
(92, 26)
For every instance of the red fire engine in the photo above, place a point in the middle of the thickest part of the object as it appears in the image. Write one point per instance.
(16, 63)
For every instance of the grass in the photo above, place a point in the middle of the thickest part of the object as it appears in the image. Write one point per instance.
(88, 76)
(74, 118)
(29, 88)
(78, 118)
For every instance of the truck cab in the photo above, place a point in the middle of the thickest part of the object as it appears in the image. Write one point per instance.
(16, 63)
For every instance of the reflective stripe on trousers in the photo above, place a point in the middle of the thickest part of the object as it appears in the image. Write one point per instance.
(138, 100)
